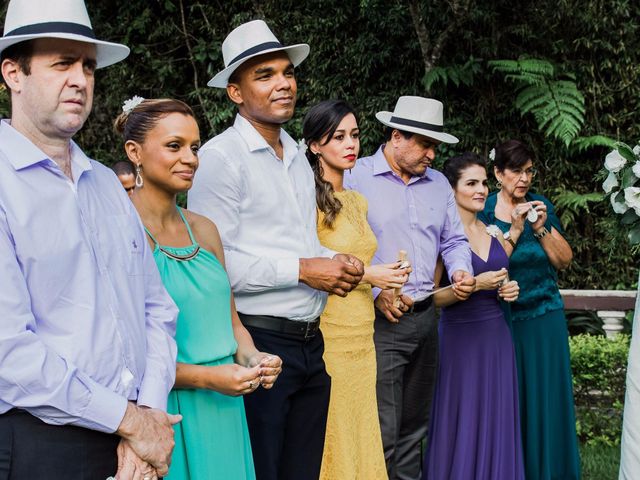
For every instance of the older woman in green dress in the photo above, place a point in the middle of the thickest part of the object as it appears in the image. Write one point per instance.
(217, 360)
(539, 325)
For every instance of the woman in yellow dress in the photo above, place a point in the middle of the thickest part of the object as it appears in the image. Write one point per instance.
(353, 443)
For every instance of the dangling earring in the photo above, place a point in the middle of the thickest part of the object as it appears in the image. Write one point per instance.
(499, 184)
(139, 180)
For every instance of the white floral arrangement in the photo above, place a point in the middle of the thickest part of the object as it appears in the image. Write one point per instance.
(623, 186)
(133, 102)
(493, 230)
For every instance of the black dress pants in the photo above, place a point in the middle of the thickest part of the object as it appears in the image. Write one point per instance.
(287, 423)
(407, 356)
(33, 450)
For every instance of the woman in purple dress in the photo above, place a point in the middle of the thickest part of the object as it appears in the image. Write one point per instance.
(475, 432)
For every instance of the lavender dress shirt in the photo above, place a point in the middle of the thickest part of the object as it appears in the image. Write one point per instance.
(420, 217)
(85, 322)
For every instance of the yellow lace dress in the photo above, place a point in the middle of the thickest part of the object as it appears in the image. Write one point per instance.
(353, 444)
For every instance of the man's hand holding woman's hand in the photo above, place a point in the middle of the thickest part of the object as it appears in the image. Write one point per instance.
(338, 275)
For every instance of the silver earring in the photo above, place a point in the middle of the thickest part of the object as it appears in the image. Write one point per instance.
(499, 184)
(139, 180)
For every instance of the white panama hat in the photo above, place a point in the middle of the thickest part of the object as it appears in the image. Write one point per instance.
(250, 40)
(66, 19)
(418, 115)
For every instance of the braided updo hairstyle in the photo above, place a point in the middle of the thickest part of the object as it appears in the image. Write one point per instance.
(321, 121)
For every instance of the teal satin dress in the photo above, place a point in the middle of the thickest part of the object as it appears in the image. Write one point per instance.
(212, 441)
(540, 338)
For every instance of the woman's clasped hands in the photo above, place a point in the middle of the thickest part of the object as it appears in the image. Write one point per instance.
(508, 290)
(263, 370)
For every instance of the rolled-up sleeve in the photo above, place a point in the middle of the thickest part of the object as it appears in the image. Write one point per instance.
(35, 377)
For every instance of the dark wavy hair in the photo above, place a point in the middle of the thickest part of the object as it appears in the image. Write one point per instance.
(453, 167)
(136, 124)
(512, 154)
(321, 121)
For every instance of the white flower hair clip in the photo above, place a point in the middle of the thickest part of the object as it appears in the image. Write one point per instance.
(493, 230)
(133, 102)
(492, 155)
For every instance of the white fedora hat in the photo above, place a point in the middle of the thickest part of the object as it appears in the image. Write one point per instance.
(250, 40)
(67, 19)
(418, 115)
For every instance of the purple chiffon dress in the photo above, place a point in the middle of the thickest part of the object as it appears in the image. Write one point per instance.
(475, 428)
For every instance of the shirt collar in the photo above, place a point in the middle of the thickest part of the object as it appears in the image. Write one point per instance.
(255, 141)
(12, 141)
(381, 166)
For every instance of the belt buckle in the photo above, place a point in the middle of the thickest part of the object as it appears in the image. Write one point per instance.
(308, 333)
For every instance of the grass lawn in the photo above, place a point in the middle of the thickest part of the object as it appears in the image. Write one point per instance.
(599, 462)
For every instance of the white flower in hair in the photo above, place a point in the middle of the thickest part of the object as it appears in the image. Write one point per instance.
(133, 102)
(493, 230)
(492, 154)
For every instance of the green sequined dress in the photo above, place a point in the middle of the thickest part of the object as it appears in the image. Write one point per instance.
(542, 355)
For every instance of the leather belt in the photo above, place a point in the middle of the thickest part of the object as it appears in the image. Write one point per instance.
(421, 306)
(305, 330)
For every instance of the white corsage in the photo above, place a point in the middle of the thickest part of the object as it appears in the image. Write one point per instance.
(133, 102)
(492, 155)
(302, 146)
(493, 230)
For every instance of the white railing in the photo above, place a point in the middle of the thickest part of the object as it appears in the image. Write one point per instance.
(610, 305)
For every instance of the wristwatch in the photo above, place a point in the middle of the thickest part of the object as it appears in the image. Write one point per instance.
(507, 237)
(542, 233)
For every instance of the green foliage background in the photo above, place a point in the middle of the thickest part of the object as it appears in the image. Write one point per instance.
(599, 375)
(368, 53)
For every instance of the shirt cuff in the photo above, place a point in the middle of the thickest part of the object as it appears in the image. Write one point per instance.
(459, 266)
(288, 272)
(153, 393)
(105, 410)
(376, 291)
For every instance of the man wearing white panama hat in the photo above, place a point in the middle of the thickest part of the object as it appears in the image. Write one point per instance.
(86, 337)
(411, 208)
(256, 184)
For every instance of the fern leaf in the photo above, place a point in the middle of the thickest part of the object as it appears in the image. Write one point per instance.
(580, 144)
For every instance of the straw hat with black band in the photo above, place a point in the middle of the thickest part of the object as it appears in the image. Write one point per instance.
(250, 40)
(423, 116)
(65, 19)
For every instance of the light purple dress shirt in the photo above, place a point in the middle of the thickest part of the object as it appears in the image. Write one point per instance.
(420, 217)
(85, 322)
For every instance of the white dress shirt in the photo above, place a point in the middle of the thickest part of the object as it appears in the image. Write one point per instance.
(85, 322)
(265, 210)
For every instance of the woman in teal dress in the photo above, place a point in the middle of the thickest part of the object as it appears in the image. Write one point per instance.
(217, 360)
(539, 325)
